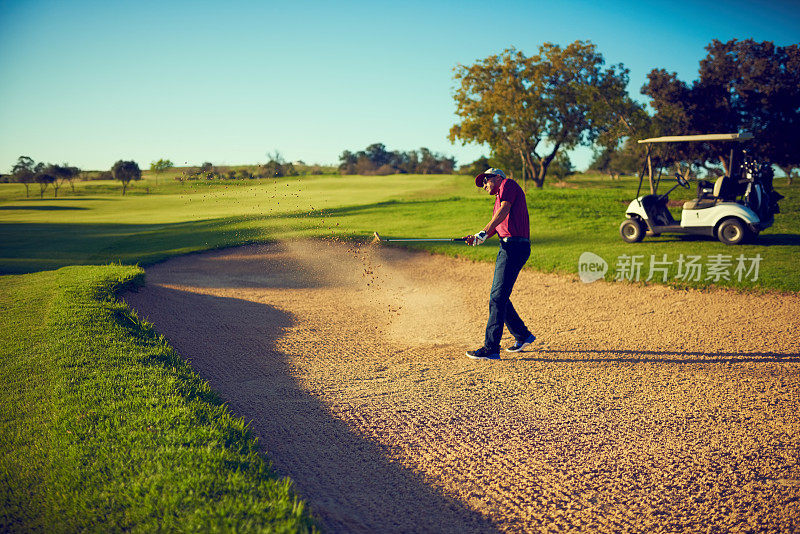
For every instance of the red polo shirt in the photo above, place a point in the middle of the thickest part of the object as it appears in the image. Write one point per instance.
(516, 224)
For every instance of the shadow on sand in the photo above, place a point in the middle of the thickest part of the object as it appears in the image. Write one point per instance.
(347, 480)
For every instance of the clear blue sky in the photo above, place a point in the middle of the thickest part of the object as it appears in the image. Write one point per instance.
(91, 82)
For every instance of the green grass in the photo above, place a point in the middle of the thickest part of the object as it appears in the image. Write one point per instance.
(97, 225)
(105, 428)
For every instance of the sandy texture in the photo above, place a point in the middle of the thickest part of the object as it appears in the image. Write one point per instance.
(641, 408)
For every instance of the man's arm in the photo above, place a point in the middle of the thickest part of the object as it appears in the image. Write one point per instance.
(502, 213)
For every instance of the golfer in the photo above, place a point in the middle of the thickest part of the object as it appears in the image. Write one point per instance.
(510, 222)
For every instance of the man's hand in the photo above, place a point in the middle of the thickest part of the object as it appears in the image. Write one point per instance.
(478, 239)
(469, 240)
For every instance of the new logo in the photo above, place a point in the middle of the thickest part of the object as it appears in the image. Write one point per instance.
(591, 267)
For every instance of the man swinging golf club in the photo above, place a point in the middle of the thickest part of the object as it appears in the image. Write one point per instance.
(510, 223)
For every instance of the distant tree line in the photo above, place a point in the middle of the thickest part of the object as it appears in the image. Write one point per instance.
(53, 176)
(376, 160)
(276, 167)
(560, 167)
(45, 175)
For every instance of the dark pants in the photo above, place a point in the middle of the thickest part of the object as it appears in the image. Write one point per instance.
(510, 259)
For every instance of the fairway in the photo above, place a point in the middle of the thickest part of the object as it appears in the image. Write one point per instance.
(155, 221)
(624, 417)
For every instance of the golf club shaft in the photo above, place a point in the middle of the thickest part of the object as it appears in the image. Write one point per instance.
(446, 240)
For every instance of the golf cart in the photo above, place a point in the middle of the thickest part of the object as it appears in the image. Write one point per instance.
(735, 208)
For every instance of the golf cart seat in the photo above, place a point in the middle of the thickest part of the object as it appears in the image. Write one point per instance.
(700, 203)
(725, 188)
(708, 195)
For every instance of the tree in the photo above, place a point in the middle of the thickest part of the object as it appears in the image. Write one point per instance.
(161, 165)
(757, 88)
(408, 162)
(278, 167)
(616, 161)
(60, 174)
(743, 86)
(529, 108)
(23, 173)
(206, 171)
(561, 166)
(125, 171)
(72, 174)
(347, 162)
(476, 167)
(43, 179)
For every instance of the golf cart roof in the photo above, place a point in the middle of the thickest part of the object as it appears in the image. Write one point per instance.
(704, 137)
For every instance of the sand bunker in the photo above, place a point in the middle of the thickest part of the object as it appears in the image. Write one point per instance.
(642, 408)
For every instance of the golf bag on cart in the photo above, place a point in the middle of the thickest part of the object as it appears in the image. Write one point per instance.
(758, 195)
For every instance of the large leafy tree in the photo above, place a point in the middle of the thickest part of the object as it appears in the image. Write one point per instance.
(530, 108)
(125, 171)
(743, 86)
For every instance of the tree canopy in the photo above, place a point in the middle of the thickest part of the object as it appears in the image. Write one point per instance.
(529, 108)
(23, 173)
(61, 173)
(125, 171)
(44, 179)
(743, 86)
(161, 165)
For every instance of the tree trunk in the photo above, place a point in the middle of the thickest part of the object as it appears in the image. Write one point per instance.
(539, 178)
(27, 190)
(124, 186)
(543, 164)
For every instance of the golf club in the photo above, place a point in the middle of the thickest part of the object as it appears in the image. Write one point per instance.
(419, 240)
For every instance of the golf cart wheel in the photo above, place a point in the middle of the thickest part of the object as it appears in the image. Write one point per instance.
(732, 232)
(631, 230)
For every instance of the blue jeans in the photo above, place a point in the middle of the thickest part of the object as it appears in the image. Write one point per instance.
(510, 259)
